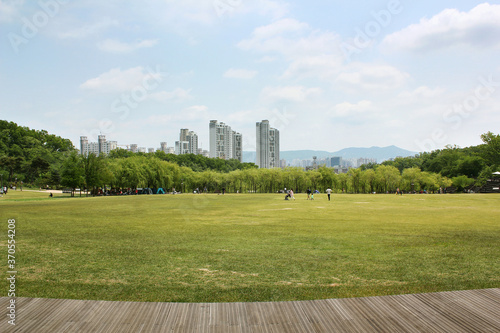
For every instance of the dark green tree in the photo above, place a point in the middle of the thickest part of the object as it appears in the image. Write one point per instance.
(72, 172)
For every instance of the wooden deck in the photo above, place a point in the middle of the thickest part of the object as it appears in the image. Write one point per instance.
(456, 311)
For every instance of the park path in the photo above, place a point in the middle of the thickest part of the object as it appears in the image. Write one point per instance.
(454, 311)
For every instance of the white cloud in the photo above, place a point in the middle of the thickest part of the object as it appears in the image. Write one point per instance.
(231, 8)
(371, 78)
(89, 30)
(244, 74)
(348, 109)
(195, 113)
(117, 80)
(321, 66)
(309, 52)
(291, 38)
(192, 113)
(157, 119)
(243, 117)
(9, 10)
(420, 94)
(480, 27)
(185, 17)
(178, 94)
(289, 93)
(114, 46)
(267, 59)
(275, 9)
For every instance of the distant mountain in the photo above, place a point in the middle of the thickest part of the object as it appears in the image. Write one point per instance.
(379, 153)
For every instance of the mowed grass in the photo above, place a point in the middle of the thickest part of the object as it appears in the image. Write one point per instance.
(250, 247)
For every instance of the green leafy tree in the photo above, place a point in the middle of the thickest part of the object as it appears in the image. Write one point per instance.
(470, 166)
(328, 178)
(369, 177)
(72, 173)
(94, 170)
(354, 176)
(342, 182)
(491, 149)
(462, 182)
(411, 179)
(11, 164)
(388, 178)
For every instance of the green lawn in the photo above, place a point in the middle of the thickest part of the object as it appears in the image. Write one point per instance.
(255, 247)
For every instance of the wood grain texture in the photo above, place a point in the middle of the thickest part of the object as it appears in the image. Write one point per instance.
(454, 311)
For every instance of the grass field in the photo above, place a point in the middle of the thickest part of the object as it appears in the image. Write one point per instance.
(250, 247)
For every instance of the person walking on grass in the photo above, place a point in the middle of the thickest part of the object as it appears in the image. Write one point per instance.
(308, 193)
(291, 194)
(329, 192)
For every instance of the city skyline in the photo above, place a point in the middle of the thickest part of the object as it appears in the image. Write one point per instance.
(418, 75)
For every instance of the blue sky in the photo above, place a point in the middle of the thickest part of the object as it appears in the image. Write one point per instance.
(419, 75)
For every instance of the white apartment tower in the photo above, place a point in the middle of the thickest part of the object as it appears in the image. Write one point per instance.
(163, 147)
(237, 146)
(188, 142)
(192, 139)
(183, 135)
(84, 143)
(181, 147)
(97, 148)
(224, 142)
(268, 145)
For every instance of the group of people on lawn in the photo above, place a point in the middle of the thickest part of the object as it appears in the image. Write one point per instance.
(310, 194)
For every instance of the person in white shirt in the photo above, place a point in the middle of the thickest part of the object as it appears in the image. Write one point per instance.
(328, 191)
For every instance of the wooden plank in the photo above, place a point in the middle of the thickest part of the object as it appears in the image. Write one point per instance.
(160, 318)
(476, 306)
(457, 311)
(395, 316)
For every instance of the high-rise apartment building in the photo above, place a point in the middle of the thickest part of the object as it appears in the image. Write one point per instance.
(268, 145)
(224, 142)
(204, 153)
(181, 147)
(192, 139)
(188, 142)
(183, 135)
(237, 146)
(84, 145)
(97, 148)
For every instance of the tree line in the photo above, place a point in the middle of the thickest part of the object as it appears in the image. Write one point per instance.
(40, 159)
(31, 156)
(148, 171)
